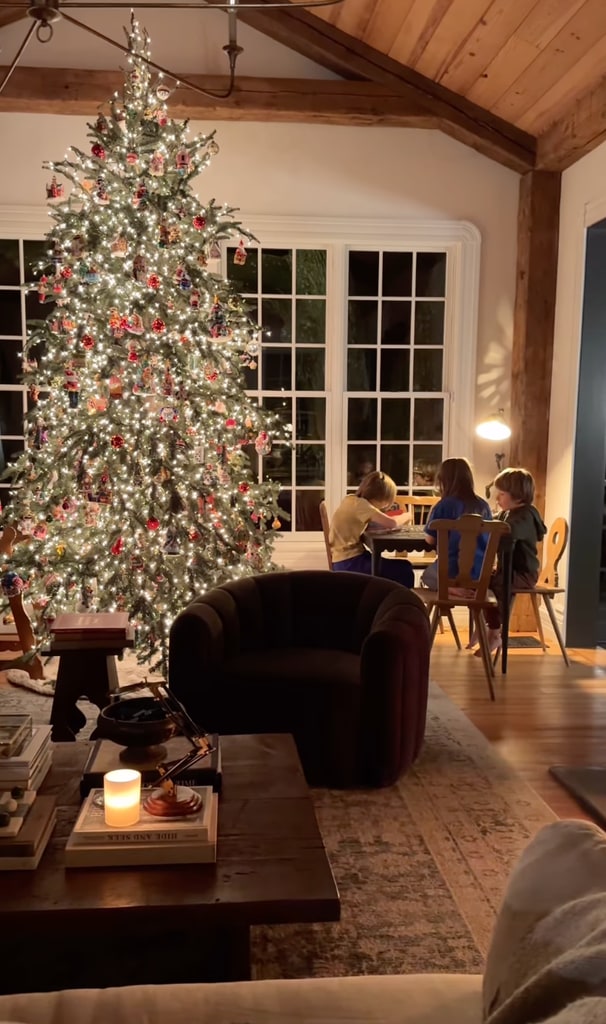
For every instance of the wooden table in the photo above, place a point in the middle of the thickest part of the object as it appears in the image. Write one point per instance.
(407, 539)
(90, 927)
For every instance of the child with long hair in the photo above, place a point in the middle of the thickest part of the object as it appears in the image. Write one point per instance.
(375, 494)
(454, 480)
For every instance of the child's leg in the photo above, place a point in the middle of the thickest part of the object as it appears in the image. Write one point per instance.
(360, 563)
(398, 569)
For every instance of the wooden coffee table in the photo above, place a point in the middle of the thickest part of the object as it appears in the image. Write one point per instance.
(92, 927)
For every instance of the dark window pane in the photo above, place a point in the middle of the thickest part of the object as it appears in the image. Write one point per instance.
(11, 413)
(395, 369)
(281, 407)
(395, 419)
(36, 310)
(311, 418)
(9, 262)
(10, 451)
(363, 273)
(429, 323)
(276, 318)
(276, 271)
(310, 322)
(427, 374)
(10, 313)
(278, 464)
(11, 363)
(362, 369)
(285, 502)
(426, 459)
(307, 514)
(251, 377)
(362, 323)
(277, 366)
(395, 328)
(310, 463)
(428, 419)
(360, 462)
(431, 273)
(394, 462)
(35, 259)
(397, 273)
(309, 369)
(311, 271)
(253, 458)
(361, 419)
(244, 277)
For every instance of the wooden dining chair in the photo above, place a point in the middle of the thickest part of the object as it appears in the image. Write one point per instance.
(547, 585)
(463, 591)
(324, 519)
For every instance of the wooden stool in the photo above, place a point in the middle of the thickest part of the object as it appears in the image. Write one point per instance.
(85, 670)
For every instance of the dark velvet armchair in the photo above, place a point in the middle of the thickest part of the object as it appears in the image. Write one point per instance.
(340, 660)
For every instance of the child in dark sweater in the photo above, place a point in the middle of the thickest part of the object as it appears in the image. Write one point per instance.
(515, 494)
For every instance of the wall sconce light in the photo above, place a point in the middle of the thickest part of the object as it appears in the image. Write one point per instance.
(494, 428)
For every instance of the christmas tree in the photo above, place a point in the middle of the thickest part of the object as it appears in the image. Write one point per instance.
(136, 490)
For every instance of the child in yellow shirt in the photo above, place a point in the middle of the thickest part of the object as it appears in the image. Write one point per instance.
(375, 494)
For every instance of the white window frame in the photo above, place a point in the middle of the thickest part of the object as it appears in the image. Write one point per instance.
(461, 241)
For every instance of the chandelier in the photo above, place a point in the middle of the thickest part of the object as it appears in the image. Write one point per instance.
(45, 12)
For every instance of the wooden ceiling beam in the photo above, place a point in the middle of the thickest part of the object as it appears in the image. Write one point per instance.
(580, 128)
(9, 14)
(79, 91)
(350, 58)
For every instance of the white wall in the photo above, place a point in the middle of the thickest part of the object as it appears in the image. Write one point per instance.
(583, 203)
(309, 170)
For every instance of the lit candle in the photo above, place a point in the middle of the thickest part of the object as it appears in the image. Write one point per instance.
(122, 797)
(232, 16)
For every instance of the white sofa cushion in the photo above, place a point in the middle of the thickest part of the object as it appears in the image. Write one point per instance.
(389, 999)
(548, 950)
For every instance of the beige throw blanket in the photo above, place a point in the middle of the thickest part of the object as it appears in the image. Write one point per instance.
(547, 960)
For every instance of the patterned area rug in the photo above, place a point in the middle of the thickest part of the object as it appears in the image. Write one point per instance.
(421, 866)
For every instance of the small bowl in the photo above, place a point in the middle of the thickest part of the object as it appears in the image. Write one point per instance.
(140, 724)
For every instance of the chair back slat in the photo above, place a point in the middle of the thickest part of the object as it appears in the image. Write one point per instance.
(326, 531)
(419, 506)
(555, 546)
(469, 527)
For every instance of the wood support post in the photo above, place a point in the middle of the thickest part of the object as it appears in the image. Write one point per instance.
(532, 351)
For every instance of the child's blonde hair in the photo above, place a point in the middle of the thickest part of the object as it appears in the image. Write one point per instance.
(519, 483)
(378, 487)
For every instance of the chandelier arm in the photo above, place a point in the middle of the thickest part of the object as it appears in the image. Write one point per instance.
(9, 72)
(232, 54)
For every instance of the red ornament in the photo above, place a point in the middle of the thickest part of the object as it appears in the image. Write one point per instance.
(230, 422)
(133, 355)
(158, 325)
(88, 342)
(98, 151)
(117, 547)
(244, 488)
(117, 441)
(66, 272)
(153, 281)
(194, 535)
(152, 523)
(199, 223)
(132, 158)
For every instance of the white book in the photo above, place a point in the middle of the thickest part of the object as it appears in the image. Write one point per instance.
(36, 776)
(31, 862)
(23, 760)
(100, 855)
(90, 825)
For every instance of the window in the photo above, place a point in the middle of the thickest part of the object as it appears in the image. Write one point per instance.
(367, 348)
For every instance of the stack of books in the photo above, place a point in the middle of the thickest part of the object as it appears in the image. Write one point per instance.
(110, 628)
(26, 820)
(105, 757)
(28, 765)
(153, 840)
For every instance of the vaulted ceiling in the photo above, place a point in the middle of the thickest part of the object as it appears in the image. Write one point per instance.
(522, 81)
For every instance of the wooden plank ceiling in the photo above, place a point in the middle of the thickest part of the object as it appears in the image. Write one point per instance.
(523, 81)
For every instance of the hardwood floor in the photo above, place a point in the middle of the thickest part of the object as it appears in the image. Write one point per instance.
(544, 713)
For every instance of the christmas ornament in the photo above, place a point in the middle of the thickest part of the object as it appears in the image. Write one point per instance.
(77, 247)
(117, 441)
(152, 523)
(55, 189)
(139, 268)
(88, 342)
(213, 147)
(135, 325)
(66, 273)
(161, 117)
(71, 385)
(244, 487)
(101, 193)
(199, 223)
(194, 299)
(101, 124)
(158, 326)
(115, 386)
(98, 150)
(262, 443)
(182, 161)
(162, 92)
(276, 525)
(140, 197)
(153, 281)
(119, 247)
(240, 255)
(132, 159)
(43, 288)
(12, 584)
(133, 355)
(117, 547)
(156, 165)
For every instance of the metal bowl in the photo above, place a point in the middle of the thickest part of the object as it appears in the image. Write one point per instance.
(140, 724)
